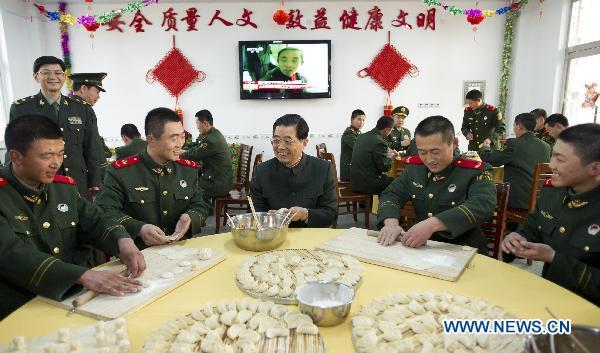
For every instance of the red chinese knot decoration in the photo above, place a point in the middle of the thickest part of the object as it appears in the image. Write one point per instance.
(280, 17)
(92, 27)
(175, 72)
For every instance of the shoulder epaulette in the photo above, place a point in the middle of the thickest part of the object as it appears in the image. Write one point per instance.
(23, 100)
(64, 179)
(126, 162)
(490, 107)
(468, 109)
(77, 100)
(469, 164)
(188, 163)
(548, 182)
(414, 160)
(3, 181)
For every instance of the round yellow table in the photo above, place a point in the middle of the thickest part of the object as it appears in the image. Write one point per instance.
(519, 292)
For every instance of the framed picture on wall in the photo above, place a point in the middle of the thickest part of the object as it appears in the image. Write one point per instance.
(471, 85)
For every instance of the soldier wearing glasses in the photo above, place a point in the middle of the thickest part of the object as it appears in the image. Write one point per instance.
(83, 155)
(294, 181)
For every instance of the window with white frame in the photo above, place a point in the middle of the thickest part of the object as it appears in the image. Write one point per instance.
(583, 63)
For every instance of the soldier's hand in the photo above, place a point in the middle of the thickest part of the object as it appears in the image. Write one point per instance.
(487, 142)
(183, 225)
(109, 282)
(298, 213)
(418, 234)
(405, 142)
(390, 232)
(512, 243)
(535, 251)
(469, 136)
(152, 235)
(132, 257)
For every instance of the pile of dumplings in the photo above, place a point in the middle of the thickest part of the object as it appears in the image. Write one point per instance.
(277, 273)
(237, 326)
(413, 322)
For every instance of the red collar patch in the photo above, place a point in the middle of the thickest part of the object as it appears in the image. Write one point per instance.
(414, 160)
(548, 182)
(469, 164)
(188, 163)
(64, 179)
(126, 162)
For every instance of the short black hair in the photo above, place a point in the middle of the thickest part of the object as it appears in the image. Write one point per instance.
(355, 113)
(130, 131)
(156, 120)
(554, 119)
(25, 129)
(47, 60)
(526, 120)
(474, 95)
(205, 115)
(290, 48)
(293, 120)
(585, 138)
(539, 113)
(384, 122)
(436, 124)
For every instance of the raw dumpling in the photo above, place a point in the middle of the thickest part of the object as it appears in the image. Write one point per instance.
(204, 253)
(307, 329)
(249, 335)
(229, 317)
(234, 331)
(277, 332)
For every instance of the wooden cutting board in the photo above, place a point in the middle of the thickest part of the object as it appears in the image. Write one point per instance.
(435, 259)
(159, 260)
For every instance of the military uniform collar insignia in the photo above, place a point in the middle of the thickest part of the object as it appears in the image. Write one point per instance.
(576, 203)
(141, 188)
(158, 171)
(546, 215)
(417, 185)
(438, 177)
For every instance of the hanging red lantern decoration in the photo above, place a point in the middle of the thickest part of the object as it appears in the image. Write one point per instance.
(475, 19)
(92, 27)
(280, 17)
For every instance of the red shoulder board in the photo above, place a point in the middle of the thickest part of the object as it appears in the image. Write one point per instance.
(64, 179)
(414, 160)
(469, 164)
(548, 182)
(3, 181)
(188, 163)
(468, 109)
(490, 107)
(126, 162)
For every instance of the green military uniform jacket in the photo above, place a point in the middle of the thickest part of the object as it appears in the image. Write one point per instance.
(309, 184)
(136, 146)
(84, 156)
(541, 134)
(396, 137)
(462, 196)
(370, 162)
(484, 122)
(212, 152)
(42, 231)
(519, 159)
(139, 191)
(348, 138)
(570, 224)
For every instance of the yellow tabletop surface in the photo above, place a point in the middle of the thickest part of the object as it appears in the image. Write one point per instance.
(519, 292)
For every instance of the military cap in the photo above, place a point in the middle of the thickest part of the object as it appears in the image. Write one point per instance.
(90, 79)
(401, 110)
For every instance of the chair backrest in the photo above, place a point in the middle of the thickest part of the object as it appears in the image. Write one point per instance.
(494, 229)
(542, 172)
(257, 161)
(399, 164)
(329, 157)
(244, 158)
(321, 147)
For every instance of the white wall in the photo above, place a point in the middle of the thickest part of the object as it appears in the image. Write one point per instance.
(539, 58)
(446, 57)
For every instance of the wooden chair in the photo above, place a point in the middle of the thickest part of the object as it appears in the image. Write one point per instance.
(541, 173)
(398, 166)
(243, 170)
(346, 196)
(495, 228)
(321, 147)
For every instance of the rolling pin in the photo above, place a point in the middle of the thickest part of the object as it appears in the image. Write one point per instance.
(89, 295)
(372, 233)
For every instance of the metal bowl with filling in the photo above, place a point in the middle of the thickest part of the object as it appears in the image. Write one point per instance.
(583, 339)
(268, 234)
(327, 303)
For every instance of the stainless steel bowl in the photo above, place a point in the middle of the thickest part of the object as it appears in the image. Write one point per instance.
(269, 236)
(582, 339)
(327, 303)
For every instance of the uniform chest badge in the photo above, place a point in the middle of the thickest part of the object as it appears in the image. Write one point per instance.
(21, 218)
(183, 183)
(74, 120)
(417, 185)
(451, 187)
(62, 207)
(485, 118)
(593, 229)
(141, 188)
(546, 215)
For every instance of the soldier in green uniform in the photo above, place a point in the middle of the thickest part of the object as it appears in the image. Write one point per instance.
(554, 125)
(482, 122)
(539, 115)
(44, 220)
(155, 194)
(371, 159)
(399, 138)
(519, 159)
(357, 121)
(212, 152)
(564, 229)
(133, 142)
(294, 181)
(83, 151)
(452, 196)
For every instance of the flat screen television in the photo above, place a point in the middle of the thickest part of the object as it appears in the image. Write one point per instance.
(285, 69)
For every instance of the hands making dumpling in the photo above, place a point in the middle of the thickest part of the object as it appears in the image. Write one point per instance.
(153, 235)
(415, 237)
